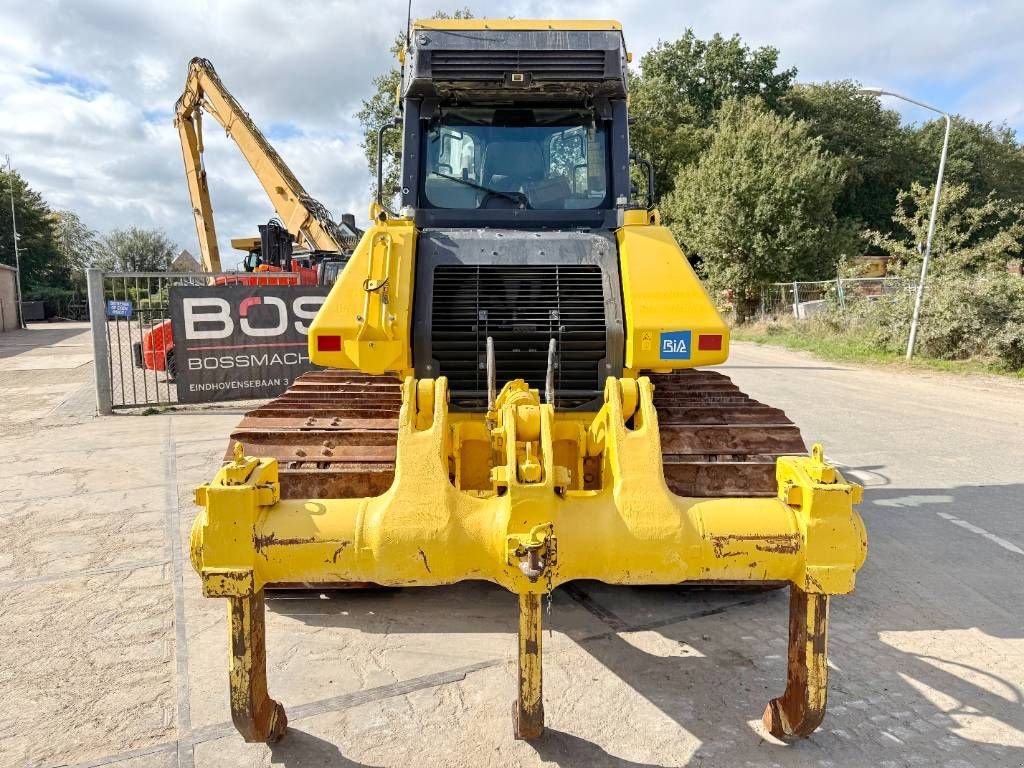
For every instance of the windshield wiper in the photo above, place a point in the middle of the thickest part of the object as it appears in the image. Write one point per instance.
(515, 197)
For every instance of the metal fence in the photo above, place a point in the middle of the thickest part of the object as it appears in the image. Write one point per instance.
(132, 349)
(803, 299)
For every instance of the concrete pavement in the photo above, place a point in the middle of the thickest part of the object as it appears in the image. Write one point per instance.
(112, 657)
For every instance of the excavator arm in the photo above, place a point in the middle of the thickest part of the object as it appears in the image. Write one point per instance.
(306, 218)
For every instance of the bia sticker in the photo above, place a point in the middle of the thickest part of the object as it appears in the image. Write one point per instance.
(675, 345)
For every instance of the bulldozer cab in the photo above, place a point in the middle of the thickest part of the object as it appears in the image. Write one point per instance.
(515, 128)
(526, 158)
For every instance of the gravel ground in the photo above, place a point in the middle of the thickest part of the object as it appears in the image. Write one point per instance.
(113, 658)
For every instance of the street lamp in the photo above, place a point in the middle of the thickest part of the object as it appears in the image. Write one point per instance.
(935, 209)
(17, 257)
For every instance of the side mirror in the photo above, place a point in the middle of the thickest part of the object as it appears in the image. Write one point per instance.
(649, 168)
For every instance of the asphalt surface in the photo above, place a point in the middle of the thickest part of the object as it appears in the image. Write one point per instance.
(111, 657)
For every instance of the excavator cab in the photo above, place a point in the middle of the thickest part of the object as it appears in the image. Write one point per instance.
(270, 252)
(513, 388)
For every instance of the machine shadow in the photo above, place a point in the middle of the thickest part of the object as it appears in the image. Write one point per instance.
(303, 750)
(564, 749)
(900, 701)
(20, 341)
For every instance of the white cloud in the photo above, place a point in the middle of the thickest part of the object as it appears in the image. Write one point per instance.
(102, 142)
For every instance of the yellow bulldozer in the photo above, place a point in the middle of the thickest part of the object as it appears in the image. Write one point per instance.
(511, 388)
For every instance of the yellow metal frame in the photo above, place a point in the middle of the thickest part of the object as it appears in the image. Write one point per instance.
(533, 529)
(370, 305)
(663, 293)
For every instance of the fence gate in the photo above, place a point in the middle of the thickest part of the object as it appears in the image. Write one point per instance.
(131, 333)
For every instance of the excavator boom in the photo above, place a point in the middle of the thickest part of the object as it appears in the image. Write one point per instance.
(306, 218)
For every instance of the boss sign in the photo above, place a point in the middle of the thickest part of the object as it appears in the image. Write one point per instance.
(239, 342)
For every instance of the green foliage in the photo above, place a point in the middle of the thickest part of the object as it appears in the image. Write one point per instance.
(968, 239)
(706, 73)
(56, 299)
(135, 250)
(665, 131)
(682, 85)
(77, 245)
(758, 205)
(973, 323)
(868, 140)
(41, 262)
(382, 107)
(979, 317)
(377, 110)
(986, 158)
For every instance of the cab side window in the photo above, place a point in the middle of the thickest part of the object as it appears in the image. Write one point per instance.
(576, 157)
(458, 155)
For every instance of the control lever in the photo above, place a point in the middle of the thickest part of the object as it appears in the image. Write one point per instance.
(549, 379)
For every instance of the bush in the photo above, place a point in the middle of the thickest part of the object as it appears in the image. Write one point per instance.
(963, 317)
(54, 299)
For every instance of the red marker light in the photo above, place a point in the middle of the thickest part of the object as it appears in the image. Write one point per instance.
(328, 343)
(709, 342)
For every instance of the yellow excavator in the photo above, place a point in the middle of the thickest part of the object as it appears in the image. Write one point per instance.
(302, 239)
(307, 219)
(513, 389)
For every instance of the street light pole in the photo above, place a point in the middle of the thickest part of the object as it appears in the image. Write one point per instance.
(935, 209)
(17, 256)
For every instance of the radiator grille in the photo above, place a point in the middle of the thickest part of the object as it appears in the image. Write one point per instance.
(521, 308)
(483, 65)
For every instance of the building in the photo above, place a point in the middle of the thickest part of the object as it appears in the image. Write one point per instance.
(185, 262)
(8, 298)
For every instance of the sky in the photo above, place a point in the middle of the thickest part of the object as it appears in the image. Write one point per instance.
(87, 87)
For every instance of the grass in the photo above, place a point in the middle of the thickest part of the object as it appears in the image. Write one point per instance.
(841, 347)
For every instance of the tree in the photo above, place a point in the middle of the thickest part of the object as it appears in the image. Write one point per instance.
(682, 85)
(968, 239)
(985, 157)
(382, 107)
(377, 110)
(757, 207)
(665, 131)
(136, 250)
(77, 245)
(41, 264)
(868, 140)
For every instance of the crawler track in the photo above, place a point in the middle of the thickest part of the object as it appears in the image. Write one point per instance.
(334, 433)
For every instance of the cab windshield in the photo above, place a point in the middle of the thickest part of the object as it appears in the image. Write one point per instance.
(511, 157)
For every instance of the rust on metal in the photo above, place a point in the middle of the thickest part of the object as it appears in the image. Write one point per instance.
(256, 716)
(528, 709)
(270, 540)
(783, 544)
(716, 441)
(334, 434)
(339, 550)
(801, 708)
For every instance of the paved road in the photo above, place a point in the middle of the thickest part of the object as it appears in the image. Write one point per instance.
(41, 369)
(112, 658)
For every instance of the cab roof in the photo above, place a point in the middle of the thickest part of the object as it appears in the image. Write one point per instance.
(573, 25)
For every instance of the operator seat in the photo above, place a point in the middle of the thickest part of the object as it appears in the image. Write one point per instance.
(510, 166)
